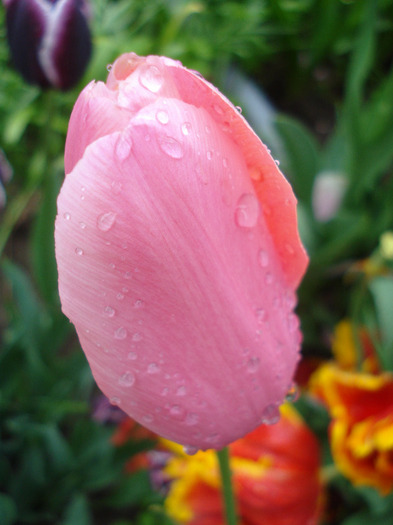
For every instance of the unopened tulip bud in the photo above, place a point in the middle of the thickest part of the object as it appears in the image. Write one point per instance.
(5, 175)
(49, 40)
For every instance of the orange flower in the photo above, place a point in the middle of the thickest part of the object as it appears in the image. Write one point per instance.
(361, 431)
(275, 476)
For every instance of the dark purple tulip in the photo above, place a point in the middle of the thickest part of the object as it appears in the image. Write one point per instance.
(5, 175)
(49, 40)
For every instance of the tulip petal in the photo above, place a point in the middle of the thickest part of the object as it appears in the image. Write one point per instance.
(66, 47)
(169, 271)
(26, 20)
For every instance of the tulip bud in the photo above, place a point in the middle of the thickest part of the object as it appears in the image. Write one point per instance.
(178, 254)
(49, 40)
(5, 176)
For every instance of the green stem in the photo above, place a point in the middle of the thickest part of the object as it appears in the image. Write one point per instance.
(227, 489)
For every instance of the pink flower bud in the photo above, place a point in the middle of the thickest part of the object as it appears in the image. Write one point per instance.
(178, 254)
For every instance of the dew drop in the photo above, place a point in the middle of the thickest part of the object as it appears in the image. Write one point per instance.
(256, 173)
(225, 162)
(190, 450)
(209, 155)
(270, 415)
(186, 128)
(261, 315)
(105, 221)
(79, 251)
(137, 337)
(171, 147)
(218, 109)
(176, 411)
(127, 379)
(192, 419)
(82, 225)
(292, 394)
(162, 117)
(153, 368)
(208, 129)
(247, 211)
(109, 67)
(147, 418)
(67, 216)
(120, 296)
(151, 78)
(239, 109)
(181, 391)
(109, 311)
(253, 364)
(116, 187)
(132, 356)
(123, 147)
(120, 333)
(263, 258)
(115, 401)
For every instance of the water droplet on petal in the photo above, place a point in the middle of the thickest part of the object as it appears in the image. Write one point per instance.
(256, 173)
(132, 356)
(209, 155)
(120, 333)
(109, 67)
(292, 394)
(82, 225)
(192, 419)
(225, 162)
(253, 364)
(186, 128)
(151, 78)
(263, 258)
(247, 211)
(79, 251)
(261, 315)
(109, 311)
(105, 221)
(67, 216)
(177, 411)
(162, 117)
(137, 337)
(147, 418)
(115, 401)
(153, 368)
(190, 450)
(138, 304)
(127, 379)
(116, 187)
(123, 147)
(270, 415)
(171, 147)
(218, 109)
(181, 391)
(239, 109)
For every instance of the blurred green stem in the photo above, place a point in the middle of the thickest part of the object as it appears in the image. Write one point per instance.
(227, 489)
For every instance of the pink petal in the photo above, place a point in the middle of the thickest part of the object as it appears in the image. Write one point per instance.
(178, 253)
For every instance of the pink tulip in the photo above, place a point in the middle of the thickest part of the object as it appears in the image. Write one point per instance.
(178, 254)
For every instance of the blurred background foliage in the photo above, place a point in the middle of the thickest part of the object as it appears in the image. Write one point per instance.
(315, 79)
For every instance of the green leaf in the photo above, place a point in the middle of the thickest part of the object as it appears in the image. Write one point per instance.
(77, 512)
(8, 511)
(382, 291)
(301, 162)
